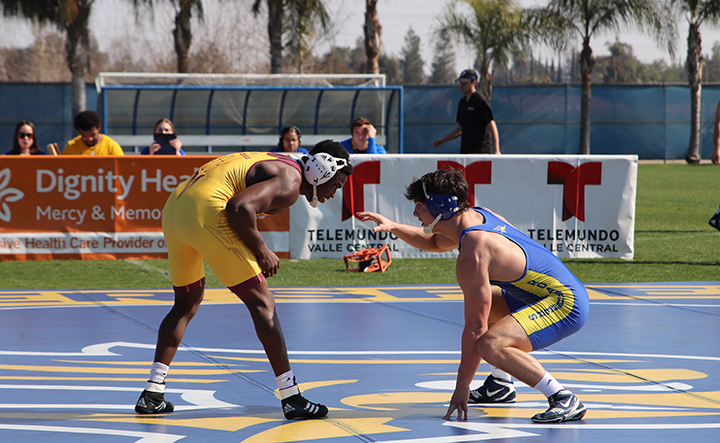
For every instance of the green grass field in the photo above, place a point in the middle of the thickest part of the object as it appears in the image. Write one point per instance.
(673, 242)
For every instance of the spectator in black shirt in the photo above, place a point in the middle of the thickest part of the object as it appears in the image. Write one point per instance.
(475, 120)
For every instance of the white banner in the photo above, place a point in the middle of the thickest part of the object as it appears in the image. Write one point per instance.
(576, 206)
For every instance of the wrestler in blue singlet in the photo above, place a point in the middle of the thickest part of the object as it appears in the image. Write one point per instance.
(548, 301)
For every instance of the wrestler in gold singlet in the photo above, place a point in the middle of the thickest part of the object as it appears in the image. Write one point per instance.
(213, 216)
(196, 226)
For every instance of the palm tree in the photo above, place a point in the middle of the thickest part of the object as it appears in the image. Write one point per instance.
(71, 16)
(373, 32)
(182, 33)
(295, 20)
(696, 12)
(586, 18)
(493, 28)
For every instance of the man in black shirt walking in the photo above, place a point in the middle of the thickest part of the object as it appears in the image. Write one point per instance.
(475, 120)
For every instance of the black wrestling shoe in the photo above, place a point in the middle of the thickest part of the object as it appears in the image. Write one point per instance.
(564, 406)
(152, 400)
(298, 407)
(715, 221)
(494, 390)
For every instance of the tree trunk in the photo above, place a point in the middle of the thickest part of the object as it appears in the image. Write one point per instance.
(373, 31)
(275, 12)
(486, 76)
(694, 66)
(183, 36)
(587, 61)
(558, 80)
(77, 58)
(78, 92)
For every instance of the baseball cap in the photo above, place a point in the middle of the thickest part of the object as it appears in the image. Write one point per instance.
(469, 74)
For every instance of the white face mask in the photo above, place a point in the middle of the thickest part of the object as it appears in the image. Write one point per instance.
(318, 169)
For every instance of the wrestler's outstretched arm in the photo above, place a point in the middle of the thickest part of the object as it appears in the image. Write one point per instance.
(412, 235)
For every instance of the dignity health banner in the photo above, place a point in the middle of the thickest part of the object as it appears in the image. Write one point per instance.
(576, 206)
(111, 207)
(91, 207)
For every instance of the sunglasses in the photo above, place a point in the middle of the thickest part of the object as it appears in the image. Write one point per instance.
(25, 135)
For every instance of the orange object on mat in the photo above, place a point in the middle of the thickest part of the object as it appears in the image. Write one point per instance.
(368, 260)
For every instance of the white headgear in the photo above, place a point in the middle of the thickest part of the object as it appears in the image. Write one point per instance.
(319, 169)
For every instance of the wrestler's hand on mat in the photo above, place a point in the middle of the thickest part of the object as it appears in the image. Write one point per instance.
(268, 261)
(383, 224)
(459, 402)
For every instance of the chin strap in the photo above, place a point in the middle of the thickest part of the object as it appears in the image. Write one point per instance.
(429, 228)
(314, 202)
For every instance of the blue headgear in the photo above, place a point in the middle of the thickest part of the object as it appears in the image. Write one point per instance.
(442, 207)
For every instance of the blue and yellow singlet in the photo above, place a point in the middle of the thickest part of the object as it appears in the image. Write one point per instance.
(548, 301)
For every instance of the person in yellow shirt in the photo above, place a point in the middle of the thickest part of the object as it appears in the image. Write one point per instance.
(91, 141)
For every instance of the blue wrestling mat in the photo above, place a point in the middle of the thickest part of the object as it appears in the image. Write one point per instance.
(383, 359)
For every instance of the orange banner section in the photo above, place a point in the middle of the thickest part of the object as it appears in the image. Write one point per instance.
(93, 207)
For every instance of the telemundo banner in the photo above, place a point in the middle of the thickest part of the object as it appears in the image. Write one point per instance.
(575, 206)
(111, 207)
